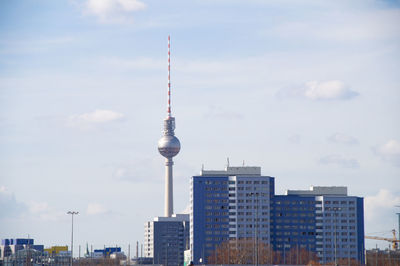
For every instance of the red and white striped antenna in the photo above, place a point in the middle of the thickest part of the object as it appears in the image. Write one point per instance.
(169, 77)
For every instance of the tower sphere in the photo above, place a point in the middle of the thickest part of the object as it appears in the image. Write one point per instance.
(169, 146)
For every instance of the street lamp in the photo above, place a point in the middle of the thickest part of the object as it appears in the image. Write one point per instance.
(335, 210)
(72, 235)
(256, 224)
(166, 254)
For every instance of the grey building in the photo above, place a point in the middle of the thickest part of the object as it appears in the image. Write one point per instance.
(166, 239)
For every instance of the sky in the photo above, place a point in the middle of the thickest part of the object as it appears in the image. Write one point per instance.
(308, 90)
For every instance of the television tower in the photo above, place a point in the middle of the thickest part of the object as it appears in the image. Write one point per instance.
(169, 145)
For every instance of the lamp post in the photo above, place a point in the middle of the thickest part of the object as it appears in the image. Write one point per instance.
(256, 205)
(166, 255)
(72, 235)
(335, 210)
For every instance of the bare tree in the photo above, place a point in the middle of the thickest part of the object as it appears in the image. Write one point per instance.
(242, 251)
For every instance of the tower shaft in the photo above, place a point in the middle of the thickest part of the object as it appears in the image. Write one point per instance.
(169, 196)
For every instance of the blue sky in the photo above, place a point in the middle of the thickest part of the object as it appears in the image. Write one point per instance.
(308, 90)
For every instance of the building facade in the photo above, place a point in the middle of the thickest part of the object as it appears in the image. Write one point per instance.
(239, 203)
(293, 223)
(227, 205)
(166, 239)
(339, 223)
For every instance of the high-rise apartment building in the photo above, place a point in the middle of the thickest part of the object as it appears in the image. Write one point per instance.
(293, 223)
(166, 239)
(228, 204)
(239, 203)
(338, 221)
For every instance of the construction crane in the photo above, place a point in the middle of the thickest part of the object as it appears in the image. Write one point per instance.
(393, 240)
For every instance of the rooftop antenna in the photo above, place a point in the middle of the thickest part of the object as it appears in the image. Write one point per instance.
(243, 163)
(227, 161)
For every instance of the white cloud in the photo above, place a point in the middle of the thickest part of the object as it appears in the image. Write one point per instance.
(319, 90)
(120, 173)
(100, 116)
(87, 120)
(35, 45)
(348, 27)
(32, 210)
(113, 11)
(4, 191)
(328, 90)
(390, 152)
(219, 112)
(339, 160)
(9, 205)
(343, 139)
(382, 202)
(37, 207)
(137, 170)
(42, 211)
(95, 208)
(296, 138)
(142, 63)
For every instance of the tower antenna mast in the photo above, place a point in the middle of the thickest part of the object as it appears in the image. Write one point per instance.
(169, 145)
(169, 77)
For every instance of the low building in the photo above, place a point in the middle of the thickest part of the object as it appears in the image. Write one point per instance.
(11, 246)
(56, 250)
(106, 252)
